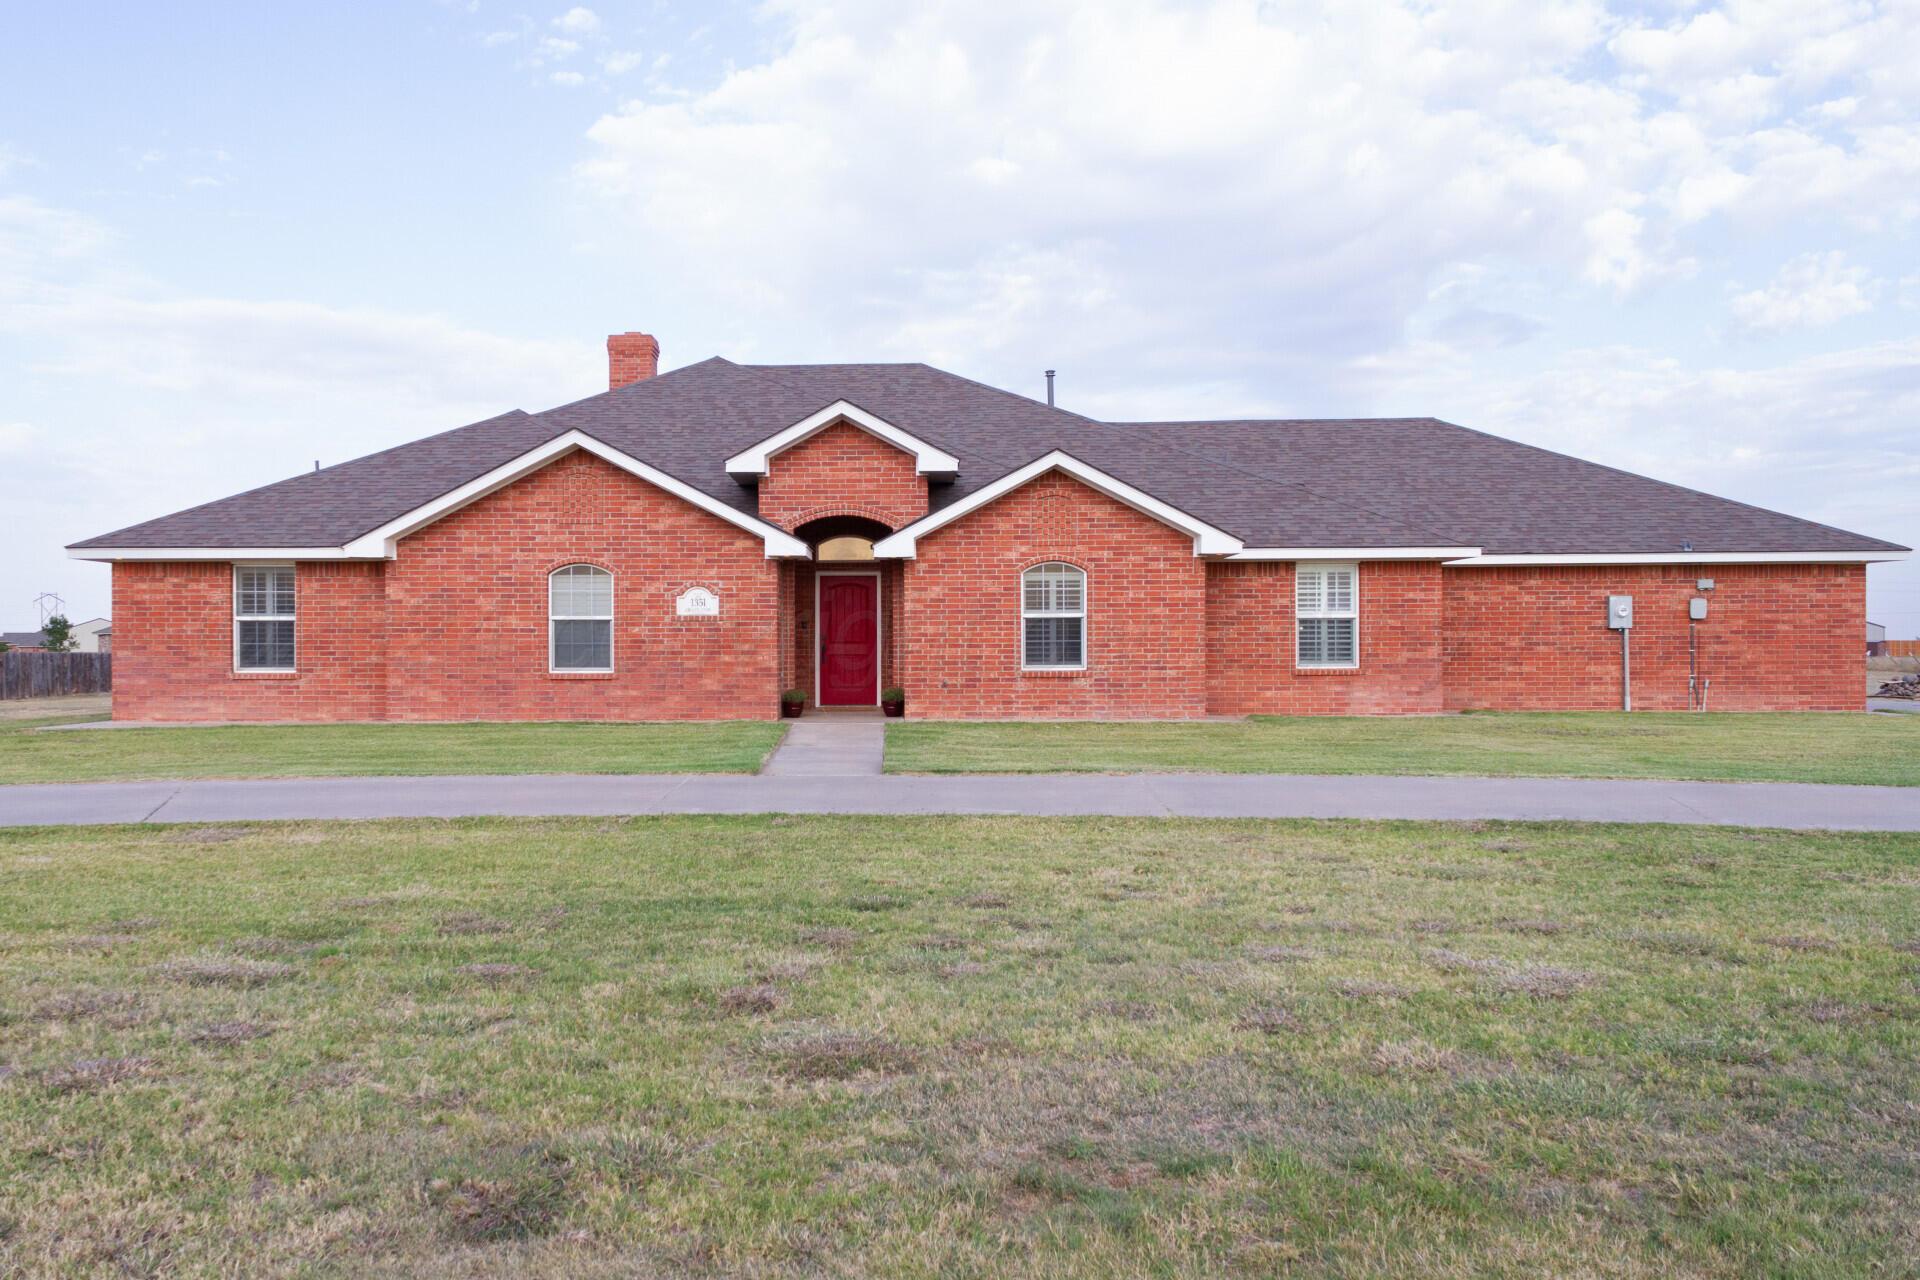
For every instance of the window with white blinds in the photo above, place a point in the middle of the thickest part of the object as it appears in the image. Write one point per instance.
(1326, 607)
(580, 619)
(263, 604)
(1053, 618)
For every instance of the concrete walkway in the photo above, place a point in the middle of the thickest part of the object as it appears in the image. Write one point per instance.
(1756, 804)
(830, 746)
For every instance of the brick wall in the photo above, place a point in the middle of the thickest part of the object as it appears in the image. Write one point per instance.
(1146, 611)
(842, 471)
(1776, 637)
(173, 645)
(463, 613)
(468, 600)
(1250, 644)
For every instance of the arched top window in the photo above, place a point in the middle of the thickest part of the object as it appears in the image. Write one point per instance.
(1053, 618)
(580, 618)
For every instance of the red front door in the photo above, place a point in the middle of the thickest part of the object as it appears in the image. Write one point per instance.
(849, 641)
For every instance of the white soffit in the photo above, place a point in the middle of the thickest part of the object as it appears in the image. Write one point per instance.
(1683, 557)
(927, 460)
(1207, 540)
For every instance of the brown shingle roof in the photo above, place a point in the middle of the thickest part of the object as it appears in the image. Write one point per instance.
(1354, 483)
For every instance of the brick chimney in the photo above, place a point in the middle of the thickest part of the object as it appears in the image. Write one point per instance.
(631, 357)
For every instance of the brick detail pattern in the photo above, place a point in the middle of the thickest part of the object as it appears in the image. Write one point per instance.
(842, 471)
(1250, 644)
(959, 632)
(1776, 637)
(462, 612)
(173, 650)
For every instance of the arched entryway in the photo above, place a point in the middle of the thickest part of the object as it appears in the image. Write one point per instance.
(842, 610)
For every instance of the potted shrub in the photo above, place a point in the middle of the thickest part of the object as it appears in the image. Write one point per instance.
(792, 702)
(894, 701)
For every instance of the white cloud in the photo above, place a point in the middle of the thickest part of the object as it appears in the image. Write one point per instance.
(622, 61)
(1813, 289)
(568, 79)
(578, 21)
(12, 157)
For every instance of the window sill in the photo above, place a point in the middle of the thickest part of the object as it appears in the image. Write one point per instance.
(580, 675)
(266, 675)
(1326, 671)
(1055, 673)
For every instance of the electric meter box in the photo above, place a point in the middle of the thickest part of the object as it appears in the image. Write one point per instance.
(1697, 608)
(1619, 612)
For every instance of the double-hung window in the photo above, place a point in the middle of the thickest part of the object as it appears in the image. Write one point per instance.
(263, 601)
(1053, 618)
(580, 619)
(1326, 606)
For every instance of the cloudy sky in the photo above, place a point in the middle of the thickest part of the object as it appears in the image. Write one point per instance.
(1675, 237)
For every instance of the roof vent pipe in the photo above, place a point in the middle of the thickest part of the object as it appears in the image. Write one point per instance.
(1049, 388)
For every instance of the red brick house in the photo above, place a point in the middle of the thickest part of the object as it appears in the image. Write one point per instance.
(688, 545)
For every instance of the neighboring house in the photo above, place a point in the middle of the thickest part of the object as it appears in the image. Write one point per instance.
(686, 546)
(1876, 640)
(87, 635)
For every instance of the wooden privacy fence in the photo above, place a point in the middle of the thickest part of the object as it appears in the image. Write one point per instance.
(1903, 648)
(25, 674)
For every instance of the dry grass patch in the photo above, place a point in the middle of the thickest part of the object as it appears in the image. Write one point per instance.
(1268, 1020)
(84, 1075)
(222, 1033)
(1414, 1057)
(1282, 954)
(463, 924)
(832, 937)
(1448, 961)
(836, 1055)
(224, 971)
(1799, 942)
(69, 1006)
(1547, 981)
(1539, 925)
(1371, 989)
(762, 997)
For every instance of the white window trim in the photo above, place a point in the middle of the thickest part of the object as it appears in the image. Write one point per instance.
(1025, 613)
(552, 617)
(1352, 567)
(820, 632)
(239, 618)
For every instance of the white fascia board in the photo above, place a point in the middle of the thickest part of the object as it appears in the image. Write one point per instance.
(1354, 553)
(1685, 557)
(1207, 540)
(213, 553)
(381, 542)
(927, 460)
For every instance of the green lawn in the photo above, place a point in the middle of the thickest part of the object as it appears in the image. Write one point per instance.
(333, 750)
(957, 1047)
(1881, 749)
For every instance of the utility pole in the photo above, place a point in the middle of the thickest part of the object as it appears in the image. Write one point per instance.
(49, 603)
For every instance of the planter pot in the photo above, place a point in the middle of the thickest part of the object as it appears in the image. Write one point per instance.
(894, 709)
(792, 710)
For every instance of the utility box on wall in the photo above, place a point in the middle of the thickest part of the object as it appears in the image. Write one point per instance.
(1697, 608)
(1619, 612)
